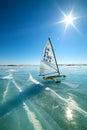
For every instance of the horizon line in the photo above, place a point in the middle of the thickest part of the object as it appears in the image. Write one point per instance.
(66, 64)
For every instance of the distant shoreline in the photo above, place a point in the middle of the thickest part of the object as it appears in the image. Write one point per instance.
(39, 65)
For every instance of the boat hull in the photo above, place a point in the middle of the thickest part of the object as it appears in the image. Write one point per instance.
(56, 78)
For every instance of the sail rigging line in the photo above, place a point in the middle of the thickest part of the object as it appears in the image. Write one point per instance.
(54, 56)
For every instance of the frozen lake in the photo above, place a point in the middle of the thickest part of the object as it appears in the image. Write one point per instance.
(29, 103)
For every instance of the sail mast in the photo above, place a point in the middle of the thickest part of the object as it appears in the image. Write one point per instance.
(54, 55)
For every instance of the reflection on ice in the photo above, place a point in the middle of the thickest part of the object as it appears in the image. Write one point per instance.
(8, 77)
(32, 117)
(12, 70)
(70, 107)
(71, 103)
(6, 91)
(31, 78)
(18, 87)
(69, 113)
(72, 85)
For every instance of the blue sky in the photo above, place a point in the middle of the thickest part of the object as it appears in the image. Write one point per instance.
(25, 26)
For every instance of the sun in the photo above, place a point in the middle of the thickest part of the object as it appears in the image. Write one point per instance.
(68, 20)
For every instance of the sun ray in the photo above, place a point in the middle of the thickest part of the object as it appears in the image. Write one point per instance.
(66, 27)
(62, 12)
(75, 27)
(58, 22)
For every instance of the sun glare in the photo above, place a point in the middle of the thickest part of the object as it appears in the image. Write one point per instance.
(68, 20)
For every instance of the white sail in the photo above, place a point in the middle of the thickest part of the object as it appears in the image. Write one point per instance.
(48, 62)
